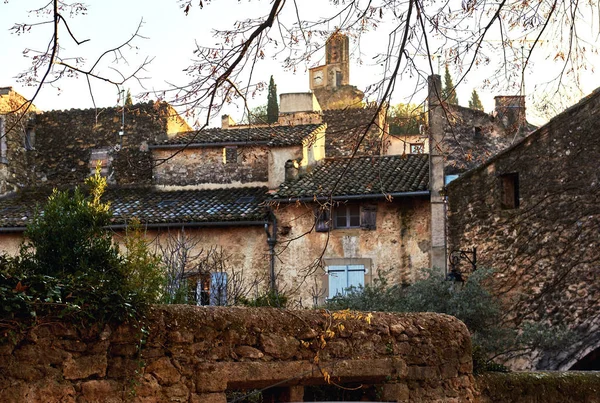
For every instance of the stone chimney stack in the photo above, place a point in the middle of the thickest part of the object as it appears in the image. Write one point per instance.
(510, 110)
(227, 122)
(437, 122)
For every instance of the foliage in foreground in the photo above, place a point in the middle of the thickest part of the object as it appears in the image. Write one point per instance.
(470, 302)
(70, 267)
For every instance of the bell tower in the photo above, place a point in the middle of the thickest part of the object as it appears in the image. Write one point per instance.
(331, 82)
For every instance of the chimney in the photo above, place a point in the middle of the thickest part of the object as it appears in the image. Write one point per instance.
(510, 110)
(291, 170)
(227, 122)
(437, 122)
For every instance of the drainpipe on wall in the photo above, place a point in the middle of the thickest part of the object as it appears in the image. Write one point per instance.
(272, 241)
(437, 120)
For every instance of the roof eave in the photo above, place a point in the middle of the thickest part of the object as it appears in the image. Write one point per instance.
(193, 224)
(353, 197)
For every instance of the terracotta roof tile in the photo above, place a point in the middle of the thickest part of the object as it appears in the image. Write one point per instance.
(271, 135)
(151, 206)
(366, 176)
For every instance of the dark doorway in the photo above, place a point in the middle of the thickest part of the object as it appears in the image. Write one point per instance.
(590, 362)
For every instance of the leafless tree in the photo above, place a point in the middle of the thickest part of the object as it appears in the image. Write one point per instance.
(204, 275)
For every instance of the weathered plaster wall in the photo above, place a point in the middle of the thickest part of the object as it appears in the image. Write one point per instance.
(10, 242)
(245, 250)
(65, 140)
(546, 252)
(193, 354)
(277, 159)
(206, 165)
(400, 244)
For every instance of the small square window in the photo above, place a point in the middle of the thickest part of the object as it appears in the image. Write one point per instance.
(509, 190)
(417, 148)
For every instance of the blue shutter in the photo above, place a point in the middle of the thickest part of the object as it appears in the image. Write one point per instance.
(337, 280)
(343, 277)
(218, 289)
(356, 276)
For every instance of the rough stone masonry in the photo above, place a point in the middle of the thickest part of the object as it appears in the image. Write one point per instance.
(197, 354)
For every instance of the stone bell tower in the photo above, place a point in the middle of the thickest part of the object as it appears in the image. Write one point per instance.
(331, 82)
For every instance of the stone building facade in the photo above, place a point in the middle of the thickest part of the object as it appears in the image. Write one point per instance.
(533, 213)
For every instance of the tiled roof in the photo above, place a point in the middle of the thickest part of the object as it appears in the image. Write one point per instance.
(151, 206)
(366, 176)
(272, 135)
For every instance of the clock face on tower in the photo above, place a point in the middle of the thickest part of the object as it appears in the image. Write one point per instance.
(318, 77)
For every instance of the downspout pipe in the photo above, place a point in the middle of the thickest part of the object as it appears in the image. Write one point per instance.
(271, 241)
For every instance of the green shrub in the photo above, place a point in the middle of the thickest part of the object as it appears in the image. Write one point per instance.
(470, 302)
(70, 267)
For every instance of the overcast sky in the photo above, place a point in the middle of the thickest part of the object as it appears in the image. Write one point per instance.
(171, 36)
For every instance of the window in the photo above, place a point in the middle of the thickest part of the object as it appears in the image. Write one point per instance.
(230, 155)
(347, 216)
(342, 277)
(355, 216)
(509, 191)
(208, 289)
(417, 148)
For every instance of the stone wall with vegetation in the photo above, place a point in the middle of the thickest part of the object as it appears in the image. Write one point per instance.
(195, 354)
(544, 248)
(546, 387)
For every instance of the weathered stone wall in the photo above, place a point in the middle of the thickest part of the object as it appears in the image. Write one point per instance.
(471, 137)
(546, 252)
(65, 140)
(400, 244)
(195, 354)
(546, 387)
(206, 165)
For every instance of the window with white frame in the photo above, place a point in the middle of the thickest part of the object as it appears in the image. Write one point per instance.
(344, 277)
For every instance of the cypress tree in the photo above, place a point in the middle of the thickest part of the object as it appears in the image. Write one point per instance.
(475, 102)
(449, 92)
(272, 105)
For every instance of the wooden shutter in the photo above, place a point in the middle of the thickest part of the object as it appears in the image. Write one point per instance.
(322, 220)
(368, 217)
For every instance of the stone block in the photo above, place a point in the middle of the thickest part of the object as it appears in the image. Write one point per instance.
(85, 366)
(280, 347)
(248, 352)
(101, 391)
(208, 398)
(164, 371)
(395, 392)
